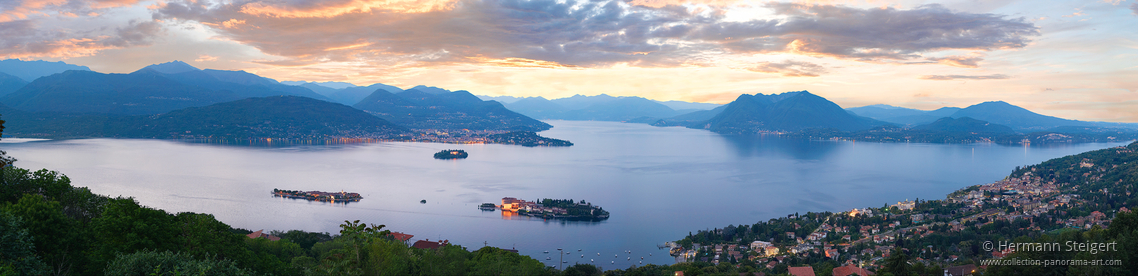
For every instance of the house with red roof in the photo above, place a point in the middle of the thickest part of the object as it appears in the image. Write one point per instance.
(851, 269)
(801, 271)
(261, 234)
(428, 244)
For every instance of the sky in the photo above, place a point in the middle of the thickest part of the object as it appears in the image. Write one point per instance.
(1071, 59)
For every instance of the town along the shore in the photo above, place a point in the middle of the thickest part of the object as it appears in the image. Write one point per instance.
(563, 209)
(333, 197)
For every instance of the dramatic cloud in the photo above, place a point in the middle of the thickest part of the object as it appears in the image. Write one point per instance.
(955, 77)
(23, 38)
(12, 10)
(790, 68)
(551, 33)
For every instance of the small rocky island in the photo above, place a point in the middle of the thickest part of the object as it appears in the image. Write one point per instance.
(451, 154)
(527, 139)
(563, 209)
(334, 197)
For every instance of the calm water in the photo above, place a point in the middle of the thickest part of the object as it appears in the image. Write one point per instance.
(658, 183)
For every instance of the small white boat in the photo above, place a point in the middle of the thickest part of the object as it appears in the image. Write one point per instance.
(547, 258)
(547, 252)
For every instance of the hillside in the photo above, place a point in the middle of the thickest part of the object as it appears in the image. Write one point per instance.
(287, 117)
(447, 111)
(10, 83)
(791, 111)
(963, 124)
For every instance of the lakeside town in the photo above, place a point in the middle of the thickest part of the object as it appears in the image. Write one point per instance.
(946, 235)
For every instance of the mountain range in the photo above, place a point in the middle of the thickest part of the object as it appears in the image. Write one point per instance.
(72, 96)
(602, 108)
(998, 112)
(288, 117)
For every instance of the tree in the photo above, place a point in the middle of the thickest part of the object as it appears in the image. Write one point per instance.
(150, 262)
(5, 160)
(17, 251)
(57, 237)
(126, 227)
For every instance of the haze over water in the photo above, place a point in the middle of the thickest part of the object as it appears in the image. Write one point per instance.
(658, 183)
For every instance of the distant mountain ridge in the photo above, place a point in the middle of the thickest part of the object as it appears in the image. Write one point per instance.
(601, 108)
(146, 91)
(31, 70)
(997, 112)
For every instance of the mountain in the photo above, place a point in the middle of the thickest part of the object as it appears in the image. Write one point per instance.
(430, 90)
(289, 117)
(620, 109)
(349, 95)
(502, 99)
(328, 84)
(457, 110)
(146, 91)
(93, 92)
(173, 67)
(901, 115)
(1013, 116)
(32, 70)
(791, 111)
(963, 124)
(537, 107)
(10, 83)
(596, 108)
(681, 105)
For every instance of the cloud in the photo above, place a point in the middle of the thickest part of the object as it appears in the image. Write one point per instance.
(967, 77)
(790, 68)
(12, 10)
(959, 61)
(24, 38)
(1134, 8)
(553, 33)
(203, 58)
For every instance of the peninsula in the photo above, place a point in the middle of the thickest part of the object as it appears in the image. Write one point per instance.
(563, 209)
(333, 197)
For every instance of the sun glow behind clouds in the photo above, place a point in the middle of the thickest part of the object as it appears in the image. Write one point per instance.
(902, 52)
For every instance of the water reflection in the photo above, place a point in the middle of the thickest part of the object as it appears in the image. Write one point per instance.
(770, 145)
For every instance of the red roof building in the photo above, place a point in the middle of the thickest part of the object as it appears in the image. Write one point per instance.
(428, 244)
(801, 271)
(850, 269)
(400, 236)
(261, 234)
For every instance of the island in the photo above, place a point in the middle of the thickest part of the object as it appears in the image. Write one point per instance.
(562, 209)
(334, 197)
(527, 139)
(451, 154)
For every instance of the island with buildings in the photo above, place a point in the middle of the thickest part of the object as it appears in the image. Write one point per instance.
(562, 209)
(333, 197)
(451, 154)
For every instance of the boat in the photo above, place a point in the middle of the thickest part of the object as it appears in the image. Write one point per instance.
(547, 252)
(547, 258)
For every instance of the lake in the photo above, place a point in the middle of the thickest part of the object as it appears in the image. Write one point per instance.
(658, 183)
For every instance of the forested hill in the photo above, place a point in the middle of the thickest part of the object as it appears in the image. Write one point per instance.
(288, 117)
